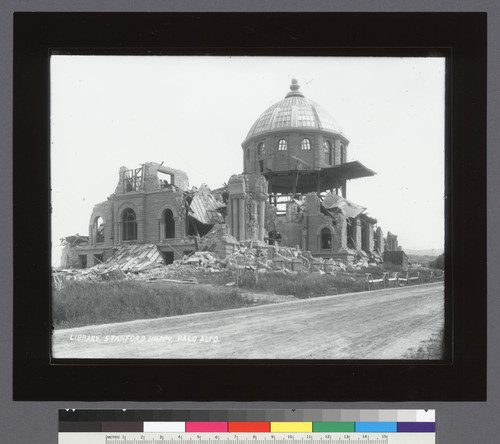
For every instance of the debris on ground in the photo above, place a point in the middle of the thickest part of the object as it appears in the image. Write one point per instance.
(218, 241)
(365, 260)
(127, 262)
(219, 251)
(74, 241)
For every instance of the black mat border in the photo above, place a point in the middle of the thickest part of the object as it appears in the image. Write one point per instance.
(462, 376)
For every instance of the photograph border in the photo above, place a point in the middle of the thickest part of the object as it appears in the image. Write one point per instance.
(460, 376)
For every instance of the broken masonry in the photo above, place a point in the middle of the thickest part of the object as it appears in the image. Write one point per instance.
(292, 194)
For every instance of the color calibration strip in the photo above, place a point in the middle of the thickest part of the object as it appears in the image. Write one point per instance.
(251, 427)
(306, 421)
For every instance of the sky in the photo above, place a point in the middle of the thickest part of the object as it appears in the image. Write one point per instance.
(193, 113)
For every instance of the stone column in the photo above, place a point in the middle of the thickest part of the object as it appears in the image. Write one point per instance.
(234, 218)
(241, 219)
(237, 192)
(229, 216)
(118, 233)
(92, 237)
(357, 234)
(262, 218)
(369, 235)
(261, 195)
(380, 240)
(161, 229)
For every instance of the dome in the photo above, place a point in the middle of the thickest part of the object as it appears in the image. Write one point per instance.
(294, 111)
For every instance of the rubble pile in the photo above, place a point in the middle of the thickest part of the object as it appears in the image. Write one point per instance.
(218, 241)
(251, 257)
(135, 258)
(75, 240)
(203, 259)
(128, 261)
(145, 263)
(217, 232)
(364, 260)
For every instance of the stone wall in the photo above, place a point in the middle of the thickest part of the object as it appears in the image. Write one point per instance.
(391, 242)
(102, 210)
(379, 240)
(291, 232)
(246, 209)
(274, 160)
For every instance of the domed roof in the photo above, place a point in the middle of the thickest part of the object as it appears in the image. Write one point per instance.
(294, 111)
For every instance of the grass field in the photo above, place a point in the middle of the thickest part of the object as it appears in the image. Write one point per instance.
(81, 303)
(306, 285)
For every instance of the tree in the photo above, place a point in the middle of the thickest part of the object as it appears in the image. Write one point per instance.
(438, 263)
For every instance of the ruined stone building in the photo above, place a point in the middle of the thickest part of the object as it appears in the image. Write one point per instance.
(293, 192)
(151, 204)
(303, 154)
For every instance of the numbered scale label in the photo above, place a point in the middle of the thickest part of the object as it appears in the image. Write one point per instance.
(246, 438)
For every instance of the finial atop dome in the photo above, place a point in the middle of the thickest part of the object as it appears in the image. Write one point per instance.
(294, 89)
(295, 85)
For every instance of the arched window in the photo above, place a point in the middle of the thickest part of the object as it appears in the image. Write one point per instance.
(306, 144)
(248, 153)
(328, 150)
(274, 237)
(261, 149)
(282, 145)
(129, 224)
(343, 154)
(326, 239)
(169, 224)
(99, 229)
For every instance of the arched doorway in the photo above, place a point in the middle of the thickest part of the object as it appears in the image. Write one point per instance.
(168, 224)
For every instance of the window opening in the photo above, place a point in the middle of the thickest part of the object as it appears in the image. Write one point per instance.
(169, 223)
(261, 166)
(99, 229)
(343, 156)
(82, 261)
(129, 225)
(282, 145)
(261, 148)
(306, 144)
(168, 257)
(327, 149)
(274, 237)
(326, 239)
(132, 180)
(98, 258)
(166, 179)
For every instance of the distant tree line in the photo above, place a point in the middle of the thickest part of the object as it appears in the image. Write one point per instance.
(438, 262)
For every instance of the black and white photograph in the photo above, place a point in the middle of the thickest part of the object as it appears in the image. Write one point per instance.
(247, 207)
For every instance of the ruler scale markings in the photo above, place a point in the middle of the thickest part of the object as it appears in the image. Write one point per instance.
(329, 439)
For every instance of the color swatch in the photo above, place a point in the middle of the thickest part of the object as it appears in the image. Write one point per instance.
(248, 421)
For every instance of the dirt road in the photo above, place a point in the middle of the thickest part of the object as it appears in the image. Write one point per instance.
(381, 324)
